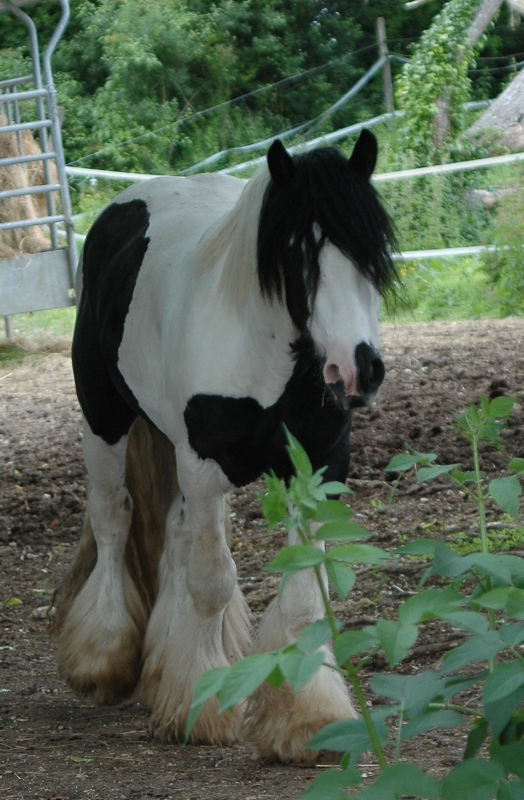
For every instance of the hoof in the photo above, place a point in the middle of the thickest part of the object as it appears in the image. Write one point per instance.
(280, 723)
(211, 728)
(100, 654)
(104, 678)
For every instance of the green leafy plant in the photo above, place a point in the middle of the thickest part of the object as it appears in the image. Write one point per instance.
(434, 85)
(504, 266)
(480, 594)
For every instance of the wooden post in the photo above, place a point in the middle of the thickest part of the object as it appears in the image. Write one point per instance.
(386, 72)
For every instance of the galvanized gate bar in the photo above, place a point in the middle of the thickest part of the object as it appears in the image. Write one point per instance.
(33, 282)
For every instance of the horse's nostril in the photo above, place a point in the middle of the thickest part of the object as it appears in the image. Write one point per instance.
(370, 369)
(378, 372)
(331, 373)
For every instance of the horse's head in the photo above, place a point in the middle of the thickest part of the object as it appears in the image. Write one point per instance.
(323, 249)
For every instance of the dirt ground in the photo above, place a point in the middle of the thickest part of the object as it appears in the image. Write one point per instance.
(53, 746)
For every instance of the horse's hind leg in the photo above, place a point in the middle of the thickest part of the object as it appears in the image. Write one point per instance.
(100, 641)
(279, 722)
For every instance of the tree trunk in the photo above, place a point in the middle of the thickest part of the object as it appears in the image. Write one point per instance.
(484, 15)
(506, 114)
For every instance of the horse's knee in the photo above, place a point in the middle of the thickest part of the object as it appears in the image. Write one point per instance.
(211, 580)
(110, 512)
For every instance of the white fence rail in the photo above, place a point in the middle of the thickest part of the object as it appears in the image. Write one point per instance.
(418, 172)
(438, 169)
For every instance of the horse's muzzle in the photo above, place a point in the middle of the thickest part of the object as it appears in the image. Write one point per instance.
(370, 374)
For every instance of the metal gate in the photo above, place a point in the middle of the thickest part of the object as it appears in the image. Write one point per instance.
(34, 281)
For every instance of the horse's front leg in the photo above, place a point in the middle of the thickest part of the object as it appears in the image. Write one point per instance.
(200, 619)
(100, 640)
(279, 722)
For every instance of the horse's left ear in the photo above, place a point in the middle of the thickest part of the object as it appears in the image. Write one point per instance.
(363, 159)
(280, 163)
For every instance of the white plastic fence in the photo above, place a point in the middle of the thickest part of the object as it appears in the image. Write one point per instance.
(439, 169)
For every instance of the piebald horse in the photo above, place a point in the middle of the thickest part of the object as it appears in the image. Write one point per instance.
(211, 313)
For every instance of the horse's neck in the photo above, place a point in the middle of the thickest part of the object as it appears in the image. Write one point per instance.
(262, 330)
(229, 246)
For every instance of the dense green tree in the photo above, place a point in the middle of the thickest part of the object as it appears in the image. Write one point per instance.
(165, 63)
(160, 85)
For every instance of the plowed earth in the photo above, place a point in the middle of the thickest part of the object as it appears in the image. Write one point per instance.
(55, 747)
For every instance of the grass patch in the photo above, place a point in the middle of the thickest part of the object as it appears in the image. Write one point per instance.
(499, 541)
(447, 289)
(38, 325)
(38, 332)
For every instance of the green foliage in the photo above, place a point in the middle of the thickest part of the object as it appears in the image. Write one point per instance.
(446, 289)
(160, 85)
(499, 540)
(434, 85)
(505, 267)
(41, 328)
(159, 64)
(491, 615)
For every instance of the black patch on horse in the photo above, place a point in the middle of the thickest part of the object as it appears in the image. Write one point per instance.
(246, 439)
(113, 254)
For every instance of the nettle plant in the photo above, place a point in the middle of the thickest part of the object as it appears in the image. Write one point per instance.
(480, 594)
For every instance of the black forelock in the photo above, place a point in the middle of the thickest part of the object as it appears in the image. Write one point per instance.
(327, 192)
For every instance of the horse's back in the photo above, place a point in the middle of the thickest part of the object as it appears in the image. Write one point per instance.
(191, 204)
(152, 229)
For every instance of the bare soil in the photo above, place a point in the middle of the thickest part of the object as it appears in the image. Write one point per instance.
(52, 745)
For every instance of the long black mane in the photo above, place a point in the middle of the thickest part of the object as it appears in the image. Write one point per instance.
(326, 199)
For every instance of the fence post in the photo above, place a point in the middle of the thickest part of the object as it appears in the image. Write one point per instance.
(386, 74)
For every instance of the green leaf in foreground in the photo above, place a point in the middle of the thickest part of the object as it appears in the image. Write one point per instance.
(314, 636)
(295, 558)
(501, 407)
(401, 780)
(472, 780)
(396, 639)
(331, 784)
(506, 492)
(517, 465)
(244, 677)
(341, 531)
(341, 576)
(358, 554)
(430, 473)
(274, 501)
(298, 668)
(413, 692)
(403, 462)
(299, 457)
(430, 604)
(477, 649)
(503, 681)
(206, 687)
(433, 720)
(351, 735)
(352, 643)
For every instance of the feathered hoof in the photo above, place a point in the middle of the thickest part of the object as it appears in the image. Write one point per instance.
(280, 724)
(211, 728)
(104, 677)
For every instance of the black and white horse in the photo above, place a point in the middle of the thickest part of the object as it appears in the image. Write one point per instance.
(211, 311)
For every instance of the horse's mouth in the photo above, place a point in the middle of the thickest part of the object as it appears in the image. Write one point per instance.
(347, 402)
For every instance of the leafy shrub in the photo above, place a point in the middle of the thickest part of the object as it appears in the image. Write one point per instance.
(434, 85)
(505, 267)
(491, 614)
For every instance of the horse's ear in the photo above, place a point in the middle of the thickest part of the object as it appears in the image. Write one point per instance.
(363, 159)
(280, 163)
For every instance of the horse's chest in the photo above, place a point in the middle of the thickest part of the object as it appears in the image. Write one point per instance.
(246, 439)
(238, 433)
